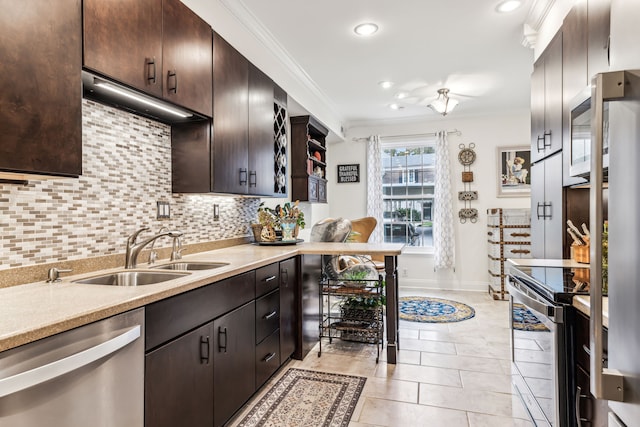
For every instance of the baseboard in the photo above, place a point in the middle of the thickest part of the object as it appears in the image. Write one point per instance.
(409, 283)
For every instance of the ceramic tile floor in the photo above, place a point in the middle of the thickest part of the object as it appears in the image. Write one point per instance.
(449, 374)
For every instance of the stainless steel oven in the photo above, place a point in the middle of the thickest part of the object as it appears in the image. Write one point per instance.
(540, 302)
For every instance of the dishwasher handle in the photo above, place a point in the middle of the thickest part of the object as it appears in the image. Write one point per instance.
(531, 300)
(39, 375)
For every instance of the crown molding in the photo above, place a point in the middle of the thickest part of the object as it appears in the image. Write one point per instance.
(254, 26)
(538, 13)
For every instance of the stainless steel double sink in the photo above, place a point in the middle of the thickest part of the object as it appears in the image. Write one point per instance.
(140, 278)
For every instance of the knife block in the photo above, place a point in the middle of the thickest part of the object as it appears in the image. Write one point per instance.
(580, 253)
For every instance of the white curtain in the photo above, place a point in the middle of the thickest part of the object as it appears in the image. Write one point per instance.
(443, 232)
(374, 186)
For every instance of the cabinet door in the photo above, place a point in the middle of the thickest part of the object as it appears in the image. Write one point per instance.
(322, 191)
(538, 209)
(179, 381)
(40, 101)
(123, 40)
(537, 111)
(187, 73)
(288, 318)
(554, 229)
(553, 96)
(261, 149)
(234, 350)
(230, 119)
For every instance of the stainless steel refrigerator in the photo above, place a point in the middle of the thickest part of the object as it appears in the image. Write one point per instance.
(615, 106)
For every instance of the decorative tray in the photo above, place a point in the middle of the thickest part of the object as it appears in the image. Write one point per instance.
(279, 243)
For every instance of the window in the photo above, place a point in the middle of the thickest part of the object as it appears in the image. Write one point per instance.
(408, 173)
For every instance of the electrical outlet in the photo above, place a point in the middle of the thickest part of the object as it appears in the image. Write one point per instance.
(405, 273)
(216, 212)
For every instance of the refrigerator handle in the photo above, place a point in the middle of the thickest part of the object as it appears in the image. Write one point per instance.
(604, 383)
(70, 363)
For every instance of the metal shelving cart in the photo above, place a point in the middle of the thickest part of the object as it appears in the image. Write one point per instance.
(352, 310)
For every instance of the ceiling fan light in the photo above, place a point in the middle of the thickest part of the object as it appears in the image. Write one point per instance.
(443, 104)
(366, 29)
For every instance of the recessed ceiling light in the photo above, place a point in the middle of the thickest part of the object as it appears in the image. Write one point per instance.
(506, 6)
(401, 95)
(396, 107)
(366, 29)
(385, 84)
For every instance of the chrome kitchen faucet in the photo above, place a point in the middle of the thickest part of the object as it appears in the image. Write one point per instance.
(134, 249)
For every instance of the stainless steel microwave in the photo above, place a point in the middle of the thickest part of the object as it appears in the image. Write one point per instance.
(580, 133)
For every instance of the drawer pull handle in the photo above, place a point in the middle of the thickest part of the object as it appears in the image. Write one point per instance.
(204, 350)
(520, 234)
(253, 179)
(268, 357)
(222, 331)
(172, 74)
(270, 278)
(520, 251)
(242, 176)
(270, 315)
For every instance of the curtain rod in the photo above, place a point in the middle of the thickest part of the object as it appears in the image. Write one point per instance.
(416, 135)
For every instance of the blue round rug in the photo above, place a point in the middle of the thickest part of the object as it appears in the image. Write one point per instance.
(525, 320)
(434, 310)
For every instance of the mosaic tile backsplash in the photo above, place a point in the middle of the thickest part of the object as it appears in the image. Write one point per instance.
(126, 170)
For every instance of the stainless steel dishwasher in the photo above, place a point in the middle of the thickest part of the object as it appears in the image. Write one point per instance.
(89, 376)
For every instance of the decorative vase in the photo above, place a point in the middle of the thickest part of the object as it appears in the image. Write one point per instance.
(268, 234)
(288, 226)
(256, 229)
(296, 231)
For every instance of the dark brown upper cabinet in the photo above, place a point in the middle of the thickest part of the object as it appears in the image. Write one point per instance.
(41, 97)
(230, 119)
(546, 101)
(141, 43)
(243, 124)
(123, 41)
(261, 133)
(187, 58)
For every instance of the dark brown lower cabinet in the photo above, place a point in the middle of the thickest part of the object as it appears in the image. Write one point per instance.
(234, 375)
(288, 282)
(179, 381)
(590, 411)
(267, 358)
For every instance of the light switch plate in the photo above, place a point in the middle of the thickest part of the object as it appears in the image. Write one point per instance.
(216, 212)
(164, 210)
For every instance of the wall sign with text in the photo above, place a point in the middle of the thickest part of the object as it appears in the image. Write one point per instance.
(348, 173)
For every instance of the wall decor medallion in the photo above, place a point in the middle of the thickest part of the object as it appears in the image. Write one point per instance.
(466, 157)
(467, 195)
(470, 214)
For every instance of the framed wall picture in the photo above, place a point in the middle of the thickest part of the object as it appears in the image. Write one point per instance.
(348, 173)
(514, 171)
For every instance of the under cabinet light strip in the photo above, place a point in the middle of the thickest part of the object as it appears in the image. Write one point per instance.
(131, 95)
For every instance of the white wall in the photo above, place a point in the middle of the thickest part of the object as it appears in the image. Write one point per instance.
(487, 132)
(625, 34)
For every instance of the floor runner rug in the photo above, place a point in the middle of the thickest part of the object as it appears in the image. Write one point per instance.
(307, 398)
(434, 310)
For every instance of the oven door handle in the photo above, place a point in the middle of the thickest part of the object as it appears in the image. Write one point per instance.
(530, 300)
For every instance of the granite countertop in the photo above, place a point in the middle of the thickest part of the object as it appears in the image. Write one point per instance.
(38, 310)
(583, 303)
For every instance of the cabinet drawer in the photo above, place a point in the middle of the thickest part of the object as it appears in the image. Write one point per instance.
(582, 342)
(267, 279)
(509, 235)
(509, 250)
(174, 316)
(267, 315)
(267, 358)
